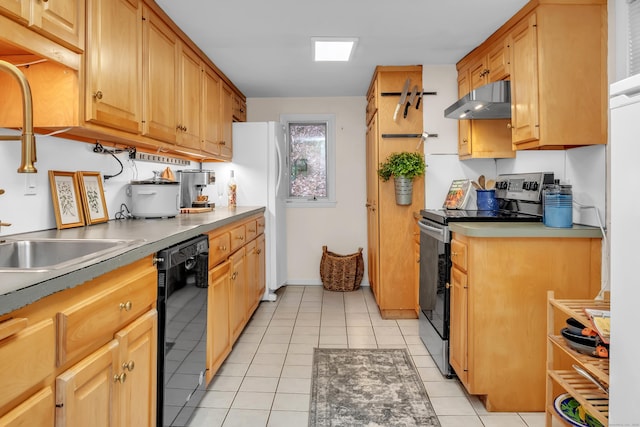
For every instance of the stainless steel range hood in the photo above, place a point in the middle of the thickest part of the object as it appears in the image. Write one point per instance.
(491, 101)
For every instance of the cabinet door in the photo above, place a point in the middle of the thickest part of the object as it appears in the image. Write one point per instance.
(372, 204)
(189, 99)
(18, 10)
(498, 62)
(63, 20)
(464, 126)
(211, 112)
(218, 327)
(226, 103)
(238, 291)
(85, 394)
(251, 265)
(113, 64)
(477, 74)
(261, 270)
(137, 360)
(458, 333)
(160, 79)
(524, 81)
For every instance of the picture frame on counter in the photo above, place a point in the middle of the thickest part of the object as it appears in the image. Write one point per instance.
(92, 193)
(67, 204)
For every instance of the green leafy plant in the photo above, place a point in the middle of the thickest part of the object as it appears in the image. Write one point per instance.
(407, 164)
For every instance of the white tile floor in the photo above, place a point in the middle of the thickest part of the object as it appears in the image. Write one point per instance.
(266, 379)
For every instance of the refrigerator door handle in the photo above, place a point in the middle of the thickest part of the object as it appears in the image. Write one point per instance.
(279, 172)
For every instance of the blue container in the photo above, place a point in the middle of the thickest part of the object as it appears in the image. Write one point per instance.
(557, 202)
(486, 200)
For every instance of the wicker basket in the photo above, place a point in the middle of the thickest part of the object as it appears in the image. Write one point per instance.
(341, 272)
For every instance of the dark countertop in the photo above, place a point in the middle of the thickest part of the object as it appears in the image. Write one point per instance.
(150, 235)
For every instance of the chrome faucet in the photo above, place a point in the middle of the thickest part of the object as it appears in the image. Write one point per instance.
(28, 138)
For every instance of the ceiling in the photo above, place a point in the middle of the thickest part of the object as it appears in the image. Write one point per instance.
(264, 47)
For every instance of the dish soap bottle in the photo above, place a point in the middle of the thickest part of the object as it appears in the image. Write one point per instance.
(231, 191)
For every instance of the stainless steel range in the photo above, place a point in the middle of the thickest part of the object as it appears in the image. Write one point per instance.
(519, 200)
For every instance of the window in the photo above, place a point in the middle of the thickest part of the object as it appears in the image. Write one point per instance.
(310, 159)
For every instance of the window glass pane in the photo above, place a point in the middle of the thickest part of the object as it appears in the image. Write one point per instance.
(308, 160)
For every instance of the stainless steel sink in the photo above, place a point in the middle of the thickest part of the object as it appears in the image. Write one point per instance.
(33, 255)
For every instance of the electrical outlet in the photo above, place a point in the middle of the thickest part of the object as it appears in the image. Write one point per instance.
(30, 186)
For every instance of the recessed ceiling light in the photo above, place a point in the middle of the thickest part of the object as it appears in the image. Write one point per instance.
(333, 48)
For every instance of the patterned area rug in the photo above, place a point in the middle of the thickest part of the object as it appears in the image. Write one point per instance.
(368, 387)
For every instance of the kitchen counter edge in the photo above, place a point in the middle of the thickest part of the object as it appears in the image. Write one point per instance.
(527, 230)
(22, 288)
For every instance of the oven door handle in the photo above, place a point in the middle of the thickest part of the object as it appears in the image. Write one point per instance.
(439, 233)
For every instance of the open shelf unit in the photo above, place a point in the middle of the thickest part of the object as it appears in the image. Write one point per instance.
(561, 375)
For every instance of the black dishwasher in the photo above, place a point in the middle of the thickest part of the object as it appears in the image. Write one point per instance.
(182, 329)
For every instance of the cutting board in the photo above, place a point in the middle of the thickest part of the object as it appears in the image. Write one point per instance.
(195, 210)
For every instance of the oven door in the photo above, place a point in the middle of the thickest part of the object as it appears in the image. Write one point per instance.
(435, 267)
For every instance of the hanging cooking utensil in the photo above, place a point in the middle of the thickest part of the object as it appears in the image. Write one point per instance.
(409, 103)
(403, 98)
(419, 98)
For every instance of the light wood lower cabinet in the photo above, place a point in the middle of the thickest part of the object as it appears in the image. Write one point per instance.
(499, 310)
(237, 281)
(38, 410)
(238, 293)
(115, 385)
(218, 326)
(85, 356)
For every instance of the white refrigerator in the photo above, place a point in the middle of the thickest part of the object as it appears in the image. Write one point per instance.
(259, 167)
(624, 233)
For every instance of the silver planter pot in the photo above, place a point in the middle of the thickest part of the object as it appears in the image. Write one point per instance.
(404, 190)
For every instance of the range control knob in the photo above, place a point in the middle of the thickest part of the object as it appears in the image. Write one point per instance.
(534, 185)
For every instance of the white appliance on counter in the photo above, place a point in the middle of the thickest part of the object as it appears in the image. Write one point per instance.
(624, 234)
(259, 167)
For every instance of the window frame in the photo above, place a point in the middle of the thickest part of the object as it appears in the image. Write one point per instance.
(330, 121)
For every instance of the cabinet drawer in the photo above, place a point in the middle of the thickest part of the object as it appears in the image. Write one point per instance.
(93, 321)
(38, 410)
(28, 357)
(459, 254)
(260, 225)
(219, 248)
(238, 237)
(250, 230)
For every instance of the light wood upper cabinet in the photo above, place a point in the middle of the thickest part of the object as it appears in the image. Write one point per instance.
(18, 10)
(524, 94)
(140, 81)
(211, 112)
(490, 66)
(239, 109)
(160, 79)
(555, 55)
(113, 64)
(226, 103)
(62, 20)
(559, 77)
(59, 20)
(189, 99)
(482, 138)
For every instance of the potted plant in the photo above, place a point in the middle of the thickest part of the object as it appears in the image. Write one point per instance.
(403, 167)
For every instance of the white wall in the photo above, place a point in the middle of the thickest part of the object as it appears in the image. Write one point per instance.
(35, 212)
(343, 228)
